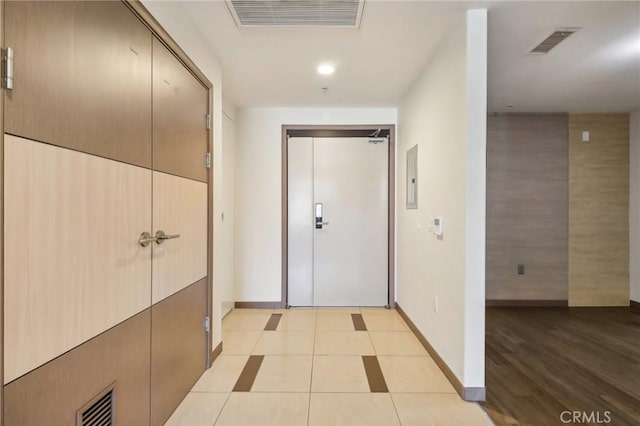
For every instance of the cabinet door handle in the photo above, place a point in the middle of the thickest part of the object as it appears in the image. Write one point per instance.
(146, 239)
(161, 237)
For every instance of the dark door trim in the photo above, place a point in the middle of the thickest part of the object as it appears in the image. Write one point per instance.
(339, 131)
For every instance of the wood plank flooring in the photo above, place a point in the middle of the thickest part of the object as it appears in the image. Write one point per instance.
(543, 361)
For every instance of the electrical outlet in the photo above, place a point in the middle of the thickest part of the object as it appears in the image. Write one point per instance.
(520, 268)
(436, 308)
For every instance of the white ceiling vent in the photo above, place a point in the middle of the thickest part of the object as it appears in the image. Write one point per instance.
(553, 40)
(296, 13)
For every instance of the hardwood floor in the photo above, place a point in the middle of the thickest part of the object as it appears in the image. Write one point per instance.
(543, 361)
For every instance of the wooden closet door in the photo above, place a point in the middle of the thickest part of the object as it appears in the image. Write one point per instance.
(180, 207)
(180, 107)
(73, 265)
(82, 77)
(77, 195)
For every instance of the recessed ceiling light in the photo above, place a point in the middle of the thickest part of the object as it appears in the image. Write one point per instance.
(326, 69)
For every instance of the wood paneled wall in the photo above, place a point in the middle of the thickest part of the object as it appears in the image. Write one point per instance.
(180, 106)
(83, 77)
(176, 323)
(51, 394)
(75, 268)
(527, 207)
(1, 230)
(179, 207)
(599, 210)
(81, 153)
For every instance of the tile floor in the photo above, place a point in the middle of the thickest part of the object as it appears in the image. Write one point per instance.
(313, 374)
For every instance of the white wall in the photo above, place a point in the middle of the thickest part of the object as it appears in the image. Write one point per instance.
(258, 190)
(223, 267)
(634, 207)
(444, 113)
(177, 23)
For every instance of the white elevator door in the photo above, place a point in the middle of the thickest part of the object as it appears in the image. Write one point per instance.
(349, 253)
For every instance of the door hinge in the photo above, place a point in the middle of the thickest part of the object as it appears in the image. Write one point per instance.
(207, 324)
(208, 122)
(7, 68)
(207, 160)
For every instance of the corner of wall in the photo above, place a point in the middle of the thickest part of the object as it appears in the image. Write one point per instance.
(440, 280)
(634, 206)
(474, 362)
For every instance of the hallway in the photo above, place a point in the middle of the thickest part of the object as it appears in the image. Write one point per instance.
(312, 366)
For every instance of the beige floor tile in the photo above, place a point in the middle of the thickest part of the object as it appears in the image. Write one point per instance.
(343, 343)
(222, 375)
(396, 343)
(265, 409)
(285, 343)
(417, 409)
(336, 321)
(339, 373)
(255, 322)
(380, 321)
(305, 309)
(198, 409)
(352, 409)
(338, 309)
(288, 373)
(298, 322)
(239, 342)
(377, 309)
(250, 311)
(413, 374)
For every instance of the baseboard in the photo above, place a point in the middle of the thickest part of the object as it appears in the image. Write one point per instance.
(216, 353)
(475, 394)
(468, 394)
(531, 303)
(634, 305)
(259, 305)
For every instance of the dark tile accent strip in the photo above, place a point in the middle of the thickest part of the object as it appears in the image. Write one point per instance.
(358, 322)
(634, 305)
(273, 322)
(374, 374)
(468, 394)
(249, 373)
(562, 303)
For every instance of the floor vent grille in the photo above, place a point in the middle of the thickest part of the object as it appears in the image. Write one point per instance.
(296, 13)
(100, 411)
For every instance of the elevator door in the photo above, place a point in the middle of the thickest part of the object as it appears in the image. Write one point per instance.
(338, 222)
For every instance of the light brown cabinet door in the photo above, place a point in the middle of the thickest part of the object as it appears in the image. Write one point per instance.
(180, 107)
(180, 208)
(178, 348)
(179, 291)
(74, 267)
(82, 77)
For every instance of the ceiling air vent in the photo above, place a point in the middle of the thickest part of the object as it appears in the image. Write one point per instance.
(553, 40)
(296, 13)
(100, 411)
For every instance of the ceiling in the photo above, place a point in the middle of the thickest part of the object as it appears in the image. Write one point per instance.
(596, 69)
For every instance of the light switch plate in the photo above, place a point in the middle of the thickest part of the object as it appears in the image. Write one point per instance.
(585, 136)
